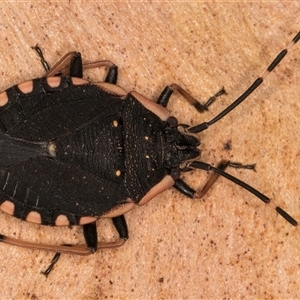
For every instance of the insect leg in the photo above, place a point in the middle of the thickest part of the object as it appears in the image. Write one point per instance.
(185, 189)
(121, 226)
(76, 67)
(112, 74)
(259, 195)
(168, 91)
(214, 176)
(215, 96)
(91, 239)
(70, 64)
(51, 266)
(90, 236)
(41, 55)
(211, 180)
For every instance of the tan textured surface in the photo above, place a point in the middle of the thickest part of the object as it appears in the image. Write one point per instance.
(230, 245)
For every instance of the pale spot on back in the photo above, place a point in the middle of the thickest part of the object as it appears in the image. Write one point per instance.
(34, 217)
(62, 220)
(53, 81)
(79, 81)
(26, 87)
(3, 99)
(87, 220)
(120, 210)
(8, 207)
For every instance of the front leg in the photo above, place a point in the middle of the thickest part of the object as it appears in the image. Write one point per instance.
(185, 189)
(164, 97)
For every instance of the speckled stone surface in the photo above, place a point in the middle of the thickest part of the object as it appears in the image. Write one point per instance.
(228, 245)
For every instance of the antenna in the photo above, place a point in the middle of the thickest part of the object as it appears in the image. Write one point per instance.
(203, 126)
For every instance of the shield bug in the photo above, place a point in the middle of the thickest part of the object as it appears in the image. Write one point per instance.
(72, 151)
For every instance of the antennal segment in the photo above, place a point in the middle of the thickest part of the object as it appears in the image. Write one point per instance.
(254, 86)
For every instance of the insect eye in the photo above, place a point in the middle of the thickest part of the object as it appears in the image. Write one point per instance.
(172, 121)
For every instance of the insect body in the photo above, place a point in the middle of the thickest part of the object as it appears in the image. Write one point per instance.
(72, 151)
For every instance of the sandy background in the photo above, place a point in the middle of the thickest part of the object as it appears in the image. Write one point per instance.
(230, 246)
